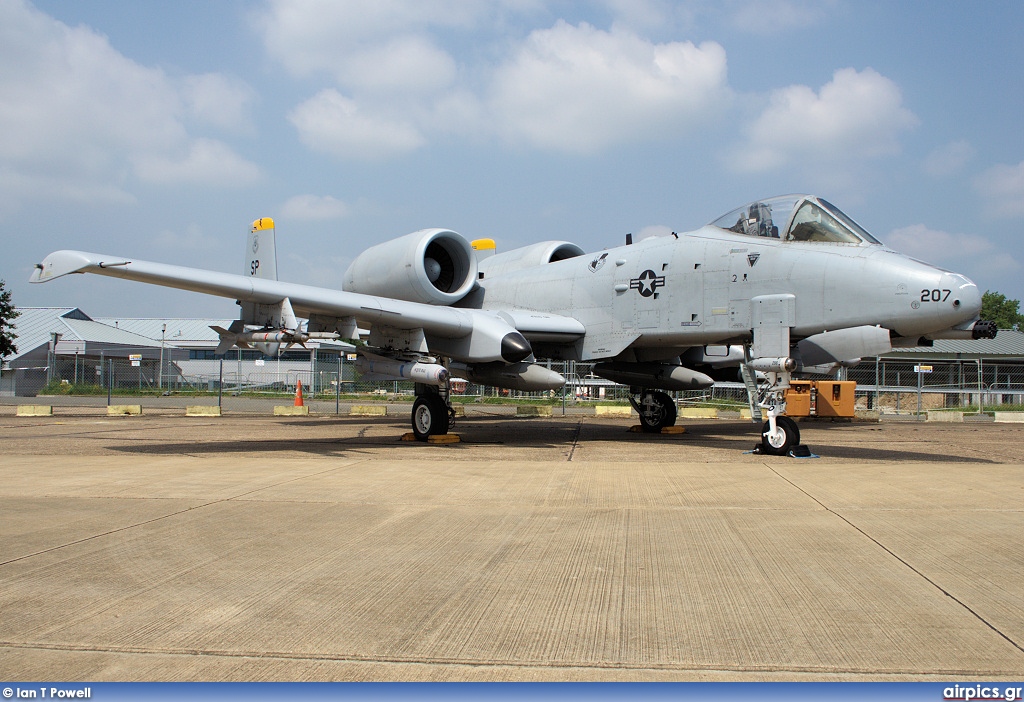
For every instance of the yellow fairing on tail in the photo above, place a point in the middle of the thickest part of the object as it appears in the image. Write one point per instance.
(262, 223)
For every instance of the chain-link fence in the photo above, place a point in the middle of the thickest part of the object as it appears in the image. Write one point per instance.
(330, 382)
(913, 386)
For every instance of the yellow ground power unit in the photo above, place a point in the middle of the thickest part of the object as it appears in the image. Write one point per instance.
(820, 398)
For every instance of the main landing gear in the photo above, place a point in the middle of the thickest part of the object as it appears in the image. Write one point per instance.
(432, 413)
(656, 409)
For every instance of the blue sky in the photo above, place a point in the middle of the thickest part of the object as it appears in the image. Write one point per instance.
(161, 130)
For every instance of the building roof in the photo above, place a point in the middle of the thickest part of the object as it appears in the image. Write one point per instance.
(193, 333)
(79, 331)
(1007, 344)
(35, 324)
(178, 331)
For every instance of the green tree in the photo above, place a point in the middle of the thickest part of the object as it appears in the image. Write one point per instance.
(7, 315)
(1005, 313)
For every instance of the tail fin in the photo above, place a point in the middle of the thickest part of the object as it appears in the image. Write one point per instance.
(261, 250)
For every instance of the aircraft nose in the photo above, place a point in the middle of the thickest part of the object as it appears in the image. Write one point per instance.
(966, 298)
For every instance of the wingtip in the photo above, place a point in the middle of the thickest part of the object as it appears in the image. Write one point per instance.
(60, 263)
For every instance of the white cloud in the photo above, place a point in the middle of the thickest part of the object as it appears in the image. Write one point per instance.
(76, 114)
(948, 159)
(645, 15)
(652, 230)
(219, 100)
(377, 46)
(580, 89)
(567, 88)
(955, 251)
(191, 239)
(401, 64)
(331, 122)
(17, 186)
(324, 271)
(205, 162)
(314, 207)
(1002, 189)
(856, 117)
(766, 17)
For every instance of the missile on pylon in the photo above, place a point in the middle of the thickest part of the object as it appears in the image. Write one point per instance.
(379, 368)
(269, 341)
(266, 340)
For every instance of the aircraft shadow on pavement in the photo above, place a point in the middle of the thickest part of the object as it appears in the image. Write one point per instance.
(733, 435)
(532, 433)
(476, 432)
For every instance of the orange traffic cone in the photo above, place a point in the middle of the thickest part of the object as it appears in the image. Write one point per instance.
(298, 394)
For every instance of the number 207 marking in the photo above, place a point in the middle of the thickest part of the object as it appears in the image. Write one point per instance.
(934, 295)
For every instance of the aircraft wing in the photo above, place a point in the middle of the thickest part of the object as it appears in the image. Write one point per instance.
(464, 334)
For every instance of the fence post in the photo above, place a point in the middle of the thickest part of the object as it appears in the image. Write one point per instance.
(920, 381)
(564, 386)
(220, 385)
(337, 394)
(110, 379)
(878, 396)
(312, 372)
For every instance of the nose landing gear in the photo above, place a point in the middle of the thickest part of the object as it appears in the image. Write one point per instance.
(780, 435)
(781, 439)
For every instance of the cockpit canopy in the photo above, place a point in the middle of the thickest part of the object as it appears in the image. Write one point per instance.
(795, 218)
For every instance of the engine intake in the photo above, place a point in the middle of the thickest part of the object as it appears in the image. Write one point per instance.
(528, 257)
(434, 266)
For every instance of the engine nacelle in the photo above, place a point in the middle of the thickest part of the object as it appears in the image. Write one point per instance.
(433, 266)
(528, 257)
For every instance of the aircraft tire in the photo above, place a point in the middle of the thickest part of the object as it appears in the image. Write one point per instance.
(662, 413)
(429, 416)
(787, 437)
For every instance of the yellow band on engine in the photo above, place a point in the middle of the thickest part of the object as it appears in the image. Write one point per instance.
(483, 244)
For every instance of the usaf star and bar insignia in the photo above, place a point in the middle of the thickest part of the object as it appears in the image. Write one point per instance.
(647, 283)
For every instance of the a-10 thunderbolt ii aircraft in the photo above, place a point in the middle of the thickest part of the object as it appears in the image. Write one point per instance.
(777, 287)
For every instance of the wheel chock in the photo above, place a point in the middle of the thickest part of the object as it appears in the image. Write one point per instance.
(639, 429)
(444, 439)
(434, 438)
